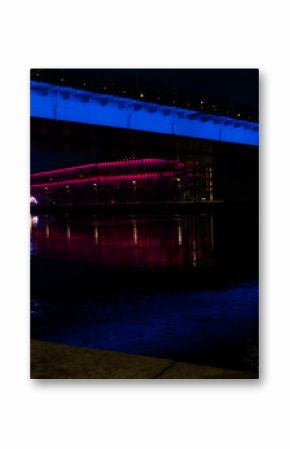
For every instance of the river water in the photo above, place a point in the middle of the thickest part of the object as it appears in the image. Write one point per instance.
(183, 287)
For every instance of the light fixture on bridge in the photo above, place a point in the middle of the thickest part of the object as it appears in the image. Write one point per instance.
(152, 109)
(166, 112)
(35, 220)
(33, 201)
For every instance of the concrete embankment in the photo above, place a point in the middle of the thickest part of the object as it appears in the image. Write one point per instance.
(56, 361)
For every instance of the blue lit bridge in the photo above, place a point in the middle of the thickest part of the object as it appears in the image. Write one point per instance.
(69, 104)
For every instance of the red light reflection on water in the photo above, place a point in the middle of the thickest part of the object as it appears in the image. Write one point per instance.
(132, 242)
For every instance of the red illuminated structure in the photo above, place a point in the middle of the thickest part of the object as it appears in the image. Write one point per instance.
(136, 180)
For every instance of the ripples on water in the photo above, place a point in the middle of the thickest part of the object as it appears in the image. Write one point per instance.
(181, 287)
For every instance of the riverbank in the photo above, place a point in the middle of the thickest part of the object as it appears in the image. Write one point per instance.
(57, 361)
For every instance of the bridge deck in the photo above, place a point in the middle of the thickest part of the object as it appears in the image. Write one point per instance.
(68, 104)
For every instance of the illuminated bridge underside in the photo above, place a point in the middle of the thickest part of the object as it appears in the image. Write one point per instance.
(138, 180)
(67, 104)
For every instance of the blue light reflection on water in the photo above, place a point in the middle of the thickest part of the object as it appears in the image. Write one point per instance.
(214, 327)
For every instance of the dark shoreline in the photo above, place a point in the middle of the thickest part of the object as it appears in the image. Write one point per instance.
(59, 361)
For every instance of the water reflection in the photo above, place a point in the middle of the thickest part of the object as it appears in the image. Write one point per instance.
(47, 231)
(164, 286)
(138, 242)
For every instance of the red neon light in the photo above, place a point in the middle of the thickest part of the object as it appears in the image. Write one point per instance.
(106, 179)
(62, 170)
(132, 162)
(100, 165)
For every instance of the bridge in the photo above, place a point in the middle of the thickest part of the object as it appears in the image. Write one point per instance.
(60, 103)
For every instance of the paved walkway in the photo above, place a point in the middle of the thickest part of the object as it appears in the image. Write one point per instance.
(56, 361)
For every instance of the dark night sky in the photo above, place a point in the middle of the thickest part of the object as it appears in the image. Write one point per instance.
(239, 85)
(233, 85)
